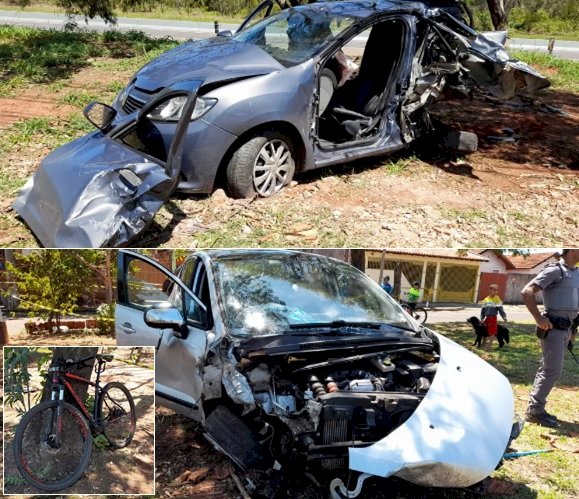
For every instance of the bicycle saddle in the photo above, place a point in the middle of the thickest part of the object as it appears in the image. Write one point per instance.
(106, 358)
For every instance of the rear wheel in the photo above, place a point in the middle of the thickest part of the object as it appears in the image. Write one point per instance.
(117, 414)
(42, 462)
(262, 166)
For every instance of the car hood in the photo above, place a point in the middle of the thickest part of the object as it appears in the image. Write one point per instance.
(211, 60)
(470, 406)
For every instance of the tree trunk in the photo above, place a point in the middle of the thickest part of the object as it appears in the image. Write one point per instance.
(359, 259)
(498, 14)
(107, 278)
(74, 353)
(397, 292)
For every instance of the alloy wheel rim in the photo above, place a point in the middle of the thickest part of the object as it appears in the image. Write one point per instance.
(272, 167)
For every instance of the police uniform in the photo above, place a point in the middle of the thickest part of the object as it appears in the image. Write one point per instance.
(560, 285)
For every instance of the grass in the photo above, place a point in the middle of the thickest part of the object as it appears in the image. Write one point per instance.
(554, 474)
(29, 55)
(569, 35)
(13, 480)
(51, 132)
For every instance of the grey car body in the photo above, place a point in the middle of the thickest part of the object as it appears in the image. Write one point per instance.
(269, 101)
(297, 361)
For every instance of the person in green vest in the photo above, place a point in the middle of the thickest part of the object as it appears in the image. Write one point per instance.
(413, 295)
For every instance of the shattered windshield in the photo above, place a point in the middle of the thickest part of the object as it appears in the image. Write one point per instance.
(270, 294)
(295, 35)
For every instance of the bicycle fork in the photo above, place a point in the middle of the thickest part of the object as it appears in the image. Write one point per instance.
(54, 438)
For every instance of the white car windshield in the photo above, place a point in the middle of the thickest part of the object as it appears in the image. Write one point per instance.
(269, 294)
(295, 35)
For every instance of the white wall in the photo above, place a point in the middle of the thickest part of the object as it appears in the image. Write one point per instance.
(494, 263)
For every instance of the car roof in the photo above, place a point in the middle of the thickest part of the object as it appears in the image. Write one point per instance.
(366, 8)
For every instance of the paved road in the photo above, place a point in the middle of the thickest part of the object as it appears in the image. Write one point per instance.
(183, 30)
(515, 313)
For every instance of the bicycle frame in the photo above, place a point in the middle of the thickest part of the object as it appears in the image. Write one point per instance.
(61, 381)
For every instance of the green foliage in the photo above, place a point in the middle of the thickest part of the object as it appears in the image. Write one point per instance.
(100, 442)
(547, 17)
(50, 282)
(106, 318)
(17, 377)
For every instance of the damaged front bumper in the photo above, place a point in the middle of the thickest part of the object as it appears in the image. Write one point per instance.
(458, 434)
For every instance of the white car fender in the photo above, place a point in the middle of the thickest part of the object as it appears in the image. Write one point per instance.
(459, 432)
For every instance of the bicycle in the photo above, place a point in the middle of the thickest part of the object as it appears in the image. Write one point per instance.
(418, 313)
(53, 441)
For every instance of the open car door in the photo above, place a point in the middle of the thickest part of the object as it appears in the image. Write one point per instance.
(104, 189)
(157, 308)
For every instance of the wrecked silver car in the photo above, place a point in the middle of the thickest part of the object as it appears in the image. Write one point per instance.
(306, 87)
(295, 361)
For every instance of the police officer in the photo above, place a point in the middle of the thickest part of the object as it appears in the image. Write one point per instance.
(560, 285)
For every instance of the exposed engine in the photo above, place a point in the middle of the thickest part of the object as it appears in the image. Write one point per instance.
(319, 410)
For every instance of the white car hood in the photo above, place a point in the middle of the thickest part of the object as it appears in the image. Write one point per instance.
(459, 432)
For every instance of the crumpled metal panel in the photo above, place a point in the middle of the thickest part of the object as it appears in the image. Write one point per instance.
(459, 432)
(80, 203)
(502, 76)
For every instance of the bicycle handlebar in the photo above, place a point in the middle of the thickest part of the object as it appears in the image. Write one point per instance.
(80, 362)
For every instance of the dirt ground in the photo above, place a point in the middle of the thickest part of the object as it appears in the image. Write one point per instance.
(506, 194)
(123, 471)
(193, 468)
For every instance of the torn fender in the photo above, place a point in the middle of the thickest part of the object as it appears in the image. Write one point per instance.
(459, 432)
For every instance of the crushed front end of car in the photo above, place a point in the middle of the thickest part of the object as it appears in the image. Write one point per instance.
(417, 409)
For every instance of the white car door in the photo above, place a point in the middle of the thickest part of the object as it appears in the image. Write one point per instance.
(145, 285)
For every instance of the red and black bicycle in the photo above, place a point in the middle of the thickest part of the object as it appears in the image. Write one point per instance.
(53, 441)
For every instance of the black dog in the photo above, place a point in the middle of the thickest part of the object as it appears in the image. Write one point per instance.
(481, 332)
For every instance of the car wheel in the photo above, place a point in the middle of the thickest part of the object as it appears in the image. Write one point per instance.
(262, 166)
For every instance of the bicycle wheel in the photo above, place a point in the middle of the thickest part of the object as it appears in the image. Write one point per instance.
(117, 414)
(41, 462)
(420, 314)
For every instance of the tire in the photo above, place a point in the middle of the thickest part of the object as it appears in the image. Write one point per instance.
(420, 314)
(459, 141)
(41, 464)
(248, 172)
(116, 413)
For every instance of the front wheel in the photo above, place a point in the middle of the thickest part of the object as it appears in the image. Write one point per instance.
(117, 414)
(43, 462)
(420, 314)
(262, 166)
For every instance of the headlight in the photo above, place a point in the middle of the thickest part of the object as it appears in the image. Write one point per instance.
(123, 94)
(172, 109)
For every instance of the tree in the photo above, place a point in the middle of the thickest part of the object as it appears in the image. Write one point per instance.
(50, 282)
(358, 259)
(87, 8)
(498, 14)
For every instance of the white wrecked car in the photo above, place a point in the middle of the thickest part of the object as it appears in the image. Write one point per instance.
(294, 360)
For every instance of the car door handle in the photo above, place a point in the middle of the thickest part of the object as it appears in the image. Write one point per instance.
(128, 328)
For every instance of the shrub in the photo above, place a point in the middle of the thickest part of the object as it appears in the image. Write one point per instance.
(106, 318)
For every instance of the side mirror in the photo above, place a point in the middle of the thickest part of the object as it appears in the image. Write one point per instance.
(227, 33)
(165, 316)
(100, 115)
